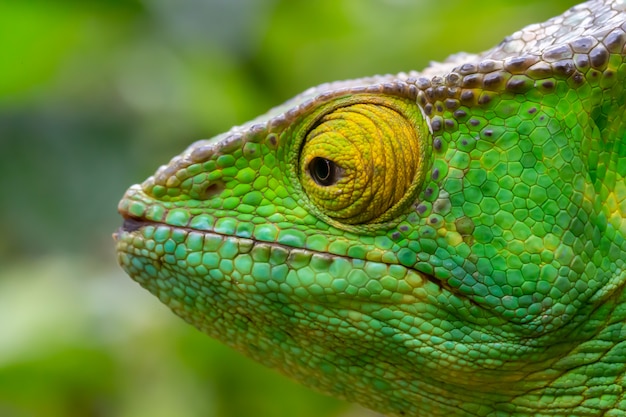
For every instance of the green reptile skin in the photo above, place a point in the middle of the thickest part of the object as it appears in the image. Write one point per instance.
(450, 242)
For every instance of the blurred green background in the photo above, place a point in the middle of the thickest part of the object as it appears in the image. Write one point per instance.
(94, 95)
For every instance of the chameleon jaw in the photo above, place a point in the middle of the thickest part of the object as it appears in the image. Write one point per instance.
(262, 307)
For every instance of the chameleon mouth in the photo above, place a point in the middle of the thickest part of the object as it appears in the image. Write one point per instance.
(129, 234)
(129, 240)
(132, 223)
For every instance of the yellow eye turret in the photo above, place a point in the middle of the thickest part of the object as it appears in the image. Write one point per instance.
(360, 160)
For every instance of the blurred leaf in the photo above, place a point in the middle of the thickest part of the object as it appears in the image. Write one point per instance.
(68, 383)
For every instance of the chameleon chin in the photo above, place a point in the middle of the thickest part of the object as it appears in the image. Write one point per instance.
(450, 242)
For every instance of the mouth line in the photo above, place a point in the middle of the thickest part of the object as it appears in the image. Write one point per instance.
(133, 223)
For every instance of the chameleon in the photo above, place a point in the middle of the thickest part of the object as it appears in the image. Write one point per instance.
(450, 242)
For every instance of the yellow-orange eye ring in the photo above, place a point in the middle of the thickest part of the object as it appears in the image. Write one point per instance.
(360, 160)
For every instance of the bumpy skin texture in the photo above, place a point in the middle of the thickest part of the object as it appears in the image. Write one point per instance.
(443, 243)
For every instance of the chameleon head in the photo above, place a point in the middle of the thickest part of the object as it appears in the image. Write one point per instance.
(392, 241)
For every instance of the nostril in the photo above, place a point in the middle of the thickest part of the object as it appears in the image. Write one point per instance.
(211, 190)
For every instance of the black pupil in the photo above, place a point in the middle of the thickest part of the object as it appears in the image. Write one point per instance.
(323, 171)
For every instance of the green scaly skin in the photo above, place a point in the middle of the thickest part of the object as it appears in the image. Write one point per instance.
(443, 243)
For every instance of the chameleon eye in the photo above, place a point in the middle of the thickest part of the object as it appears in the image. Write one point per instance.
(360, 160)
(324, 171)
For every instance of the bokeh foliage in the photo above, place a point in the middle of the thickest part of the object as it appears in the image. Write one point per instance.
(94, 95)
